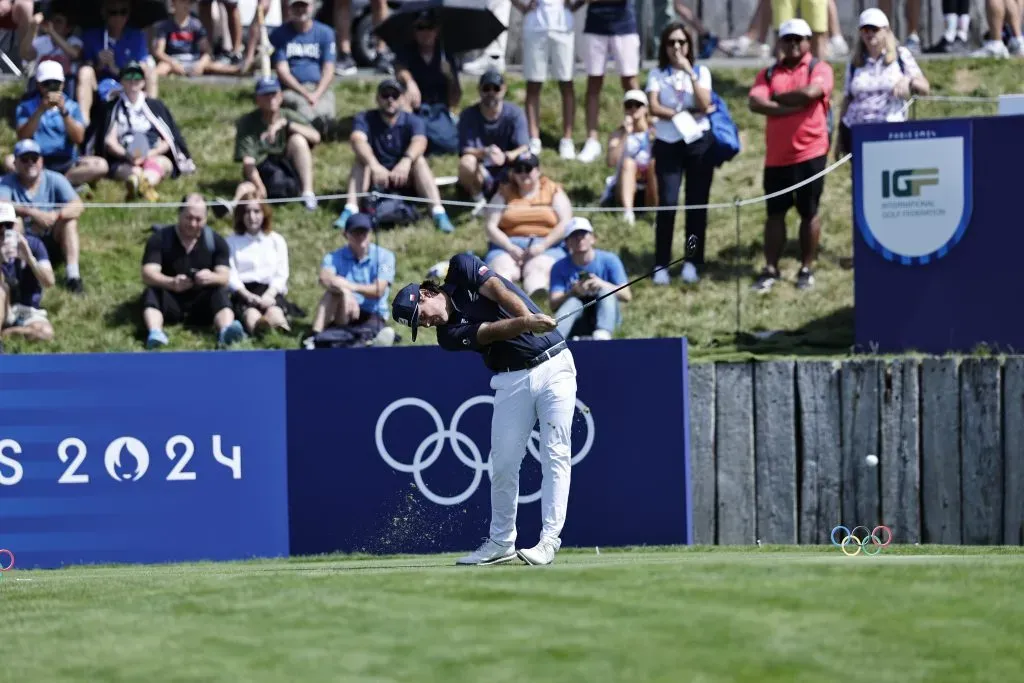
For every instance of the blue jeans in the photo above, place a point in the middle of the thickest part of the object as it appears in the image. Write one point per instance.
(604, 315)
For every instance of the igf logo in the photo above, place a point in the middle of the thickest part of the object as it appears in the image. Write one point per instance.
(907, 182)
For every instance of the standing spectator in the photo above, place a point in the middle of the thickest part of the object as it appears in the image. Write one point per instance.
(357, 279)
(389, 144)
(48, 206)
(55, 122)
(912, 12)
(708, 40)
(957, 15)
(1000, 13)
(234, 22)
(548, 38)
(880, 77)
(182, 45)
(582, 276)
(274, 146)
(815, 15)
(795, 98)
(259, 267)
(753, 43)
(25, 271)
(50, 37)
(525, 226)
(629, 153)
(186, 269)
(492, 134)
(610, 30)
(680, 96)
(304, 56)
(343, 32)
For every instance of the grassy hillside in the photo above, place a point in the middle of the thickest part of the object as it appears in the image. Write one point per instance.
(819, 322)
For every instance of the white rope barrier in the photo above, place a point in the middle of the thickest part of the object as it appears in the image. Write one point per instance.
(964, 99)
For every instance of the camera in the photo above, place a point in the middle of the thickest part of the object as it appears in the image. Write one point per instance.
(584, 275)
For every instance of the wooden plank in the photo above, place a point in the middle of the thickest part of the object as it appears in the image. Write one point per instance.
(1013, 451)
(734, 453)
(981, 451)
(702, 451)
(900, 454)
(940, 451)
(859, 391)
(775, 451)
(819, 415)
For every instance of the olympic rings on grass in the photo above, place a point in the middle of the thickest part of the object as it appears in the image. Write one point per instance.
(10, 565)
(870, 542)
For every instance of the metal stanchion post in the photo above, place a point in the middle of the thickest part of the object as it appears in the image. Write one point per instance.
(736, 264)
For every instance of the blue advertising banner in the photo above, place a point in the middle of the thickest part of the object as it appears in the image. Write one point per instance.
(142, 457)
(935, 241)
(363, 479)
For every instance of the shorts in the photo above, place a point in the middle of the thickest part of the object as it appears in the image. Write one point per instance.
(493, 251)
(195, 308)
(320, 115)
(279, 177)
(556, 48)
(806, 198)
(151, 165)
(257, 288)
(624, 49)
(814, 12)
(58, 163)
(188, 61)
(54, 249)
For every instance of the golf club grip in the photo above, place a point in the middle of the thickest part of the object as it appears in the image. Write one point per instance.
(264, 42)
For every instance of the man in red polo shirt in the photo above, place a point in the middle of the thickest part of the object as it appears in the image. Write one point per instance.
(795, 95)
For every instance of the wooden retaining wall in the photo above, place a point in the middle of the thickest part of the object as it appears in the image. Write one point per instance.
(778, 450)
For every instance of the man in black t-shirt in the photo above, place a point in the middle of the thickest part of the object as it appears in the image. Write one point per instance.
(185, 269)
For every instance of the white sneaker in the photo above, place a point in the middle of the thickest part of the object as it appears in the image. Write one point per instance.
(540, 554)
(309, 199)
(992, 48)
(483, 63)
(535, 146)
(479, 202)
(590, 152)
(690, 273)
(386, 337)
(566, 149)
(491, 552)
(628, 217)
(661, 277)
(601, 335)
(1016, 47)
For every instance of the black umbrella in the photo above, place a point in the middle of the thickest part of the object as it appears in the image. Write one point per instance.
(87, 13)
(465, 25)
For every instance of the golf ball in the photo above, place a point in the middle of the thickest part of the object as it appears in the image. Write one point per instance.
(871, 460)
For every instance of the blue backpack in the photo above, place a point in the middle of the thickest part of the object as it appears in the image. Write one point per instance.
(723, 129)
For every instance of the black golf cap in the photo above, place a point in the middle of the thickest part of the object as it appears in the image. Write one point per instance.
(359, 221)
(526, 160)
(390, 84)
(406, 307)
(492, 77)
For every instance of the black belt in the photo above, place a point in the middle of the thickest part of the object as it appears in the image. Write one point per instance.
(550, 353)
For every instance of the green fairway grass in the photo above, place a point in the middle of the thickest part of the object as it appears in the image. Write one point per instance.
(819, 322)
(655, 614)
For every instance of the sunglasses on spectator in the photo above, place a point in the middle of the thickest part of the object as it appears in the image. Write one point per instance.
(522, 168)
(132, 76)
(793, 39)
(389, 95)
(632, 104)
(52, 85)
(490, 88)
(29, 158)
(117, 12)
(681, 42)
(6, 226)
(870, 29)
(424, 27)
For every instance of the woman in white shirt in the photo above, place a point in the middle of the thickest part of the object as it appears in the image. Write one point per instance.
(680, 97)
(259, 267)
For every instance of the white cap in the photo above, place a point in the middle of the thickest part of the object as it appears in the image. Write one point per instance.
(578, 224)
(7, 214)
(635, 96)
(873, 17)
(49, 70)
(795, 27)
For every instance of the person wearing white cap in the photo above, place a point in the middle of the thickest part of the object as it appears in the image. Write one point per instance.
(814, 14)
(582, 276)
(629, 153)
(25, 271)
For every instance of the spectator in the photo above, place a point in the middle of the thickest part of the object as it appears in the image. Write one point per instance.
(259, 267)
(55, 122)
(1000, 13)
(255, 29)
(107, 51)
(708, 40)
(582, 276)
(343, 32)
(880, 77)
(389, 144)
(25, 271)
(753, 43)
(48, 206)
(50, 38)
(610, 30)
(357, 279)
(526, 225)
(430, 79)
(186, 269)
(304, 56)
(492, 134)
(957, 15)
(182, 46)
(794, 94)
(629, 153)
(234, 23)
(912, 12)
(680, 96)
(814, 13)
(548, 37)
(275, 148)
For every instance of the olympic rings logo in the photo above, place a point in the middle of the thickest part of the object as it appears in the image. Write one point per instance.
(9, 563)
(870, 543)
(465, 449)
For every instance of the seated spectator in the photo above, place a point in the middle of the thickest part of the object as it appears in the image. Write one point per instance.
(48, 206)
(389, 144)
(582, 276)
(492, 134)
(548, 38)
(234, 27)
(343, 30)
(259, 267)
(55, 122)
(25, 271)
(357, 279)
(304, 57)
(629, 153)
(274, 146)
(142, 142)
(182, 46)
(880, 77)
(525, 226)
(430, 79)
(50, 37)
(186, 269)
(107, 51)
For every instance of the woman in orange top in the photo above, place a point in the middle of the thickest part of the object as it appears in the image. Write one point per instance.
(526, 225)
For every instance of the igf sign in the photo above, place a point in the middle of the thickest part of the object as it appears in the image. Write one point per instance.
(908, 182)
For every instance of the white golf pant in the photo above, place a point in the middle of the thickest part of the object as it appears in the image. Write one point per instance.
(544, 394)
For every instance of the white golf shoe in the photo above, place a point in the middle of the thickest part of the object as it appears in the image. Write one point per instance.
(491, 552)
(540, 554)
